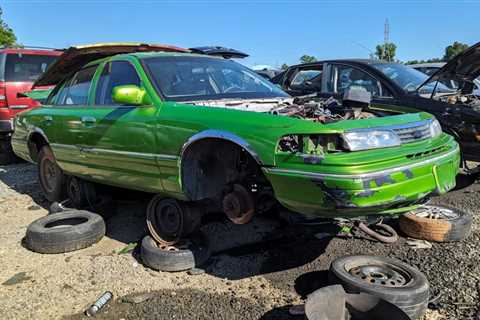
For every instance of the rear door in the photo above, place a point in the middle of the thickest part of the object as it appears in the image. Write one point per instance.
(119, 141)
(69, 114)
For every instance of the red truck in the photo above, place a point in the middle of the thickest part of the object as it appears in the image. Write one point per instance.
(19, 68)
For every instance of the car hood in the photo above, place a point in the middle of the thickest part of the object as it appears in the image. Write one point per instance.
(75, 57)
(464, 67)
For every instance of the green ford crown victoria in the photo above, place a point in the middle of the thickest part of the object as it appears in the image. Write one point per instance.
(197, 129)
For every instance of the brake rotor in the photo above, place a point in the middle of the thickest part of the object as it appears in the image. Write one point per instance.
(239, 205)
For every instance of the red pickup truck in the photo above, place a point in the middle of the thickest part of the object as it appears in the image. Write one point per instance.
(19, 68)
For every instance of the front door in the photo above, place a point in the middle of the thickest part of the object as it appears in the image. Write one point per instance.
(120, 143)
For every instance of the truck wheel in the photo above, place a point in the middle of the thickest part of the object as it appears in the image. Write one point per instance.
(436, 223)
(51, 177)
(185, 255)
(386, 278)
(169, 220)
(63, 232)
(7, 156)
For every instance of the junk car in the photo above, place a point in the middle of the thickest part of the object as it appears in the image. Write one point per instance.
(205, 133)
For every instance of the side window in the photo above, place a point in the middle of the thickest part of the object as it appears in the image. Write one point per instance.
(344, 77)
(116, 73)
(75, 91)
(307, 80)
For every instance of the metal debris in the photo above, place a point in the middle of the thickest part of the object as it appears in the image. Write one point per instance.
(419, 244)
(99, 304)
(17, 278)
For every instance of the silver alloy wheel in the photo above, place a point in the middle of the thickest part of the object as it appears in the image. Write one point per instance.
(435, 212)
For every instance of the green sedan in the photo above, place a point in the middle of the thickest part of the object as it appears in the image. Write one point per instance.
(205, 133)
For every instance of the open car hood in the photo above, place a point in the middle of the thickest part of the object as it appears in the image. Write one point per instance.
(226, 53)
(75, 57)
(464, 67)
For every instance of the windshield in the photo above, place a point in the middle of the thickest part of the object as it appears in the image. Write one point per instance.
(408, 78)
(26, 67)
(192, 78)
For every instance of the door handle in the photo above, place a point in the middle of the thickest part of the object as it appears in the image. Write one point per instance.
(48, 119)
(88, 120)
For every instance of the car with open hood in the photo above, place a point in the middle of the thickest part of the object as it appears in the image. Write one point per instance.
(207, 131)
(399, 89)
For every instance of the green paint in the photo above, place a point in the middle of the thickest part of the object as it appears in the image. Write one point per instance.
(139, 147)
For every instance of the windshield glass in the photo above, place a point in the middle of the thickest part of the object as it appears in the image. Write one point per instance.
(408, 78)
(26, 67)
(192, 78)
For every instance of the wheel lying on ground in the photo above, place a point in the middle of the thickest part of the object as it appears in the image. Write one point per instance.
(436, 223)
(66, 231)
(51, 177)
(386, 278)
(185, 255)
(169, 220)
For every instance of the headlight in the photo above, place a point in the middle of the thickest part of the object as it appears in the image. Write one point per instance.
(435, 128)
(370, 139)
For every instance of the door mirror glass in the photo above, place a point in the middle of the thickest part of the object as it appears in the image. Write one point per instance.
(130, 95)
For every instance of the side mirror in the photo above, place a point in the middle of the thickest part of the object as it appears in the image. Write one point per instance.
(130, 95)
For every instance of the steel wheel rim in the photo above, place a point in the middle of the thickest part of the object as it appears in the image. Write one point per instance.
(165, 222)
(384, 275)
(48, 174)
(435, 212)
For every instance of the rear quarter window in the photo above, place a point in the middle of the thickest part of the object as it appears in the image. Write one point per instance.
(21, 67)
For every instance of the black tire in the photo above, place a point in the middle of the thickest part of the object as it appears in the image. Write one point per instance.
(81, 193)
(66, 231)
(410, 294)
(51, 178)
(193, 253)
(456, 228)
(7, 156)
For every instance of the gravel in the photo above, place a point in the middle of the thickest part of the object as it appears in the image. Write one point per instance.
(258, 277)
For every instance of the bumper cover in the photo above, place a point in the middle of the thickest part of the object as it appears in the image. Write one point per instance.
(386, 191)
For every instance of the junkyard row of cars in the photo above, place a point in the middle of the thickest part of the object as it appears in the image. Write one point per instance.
(202, 133)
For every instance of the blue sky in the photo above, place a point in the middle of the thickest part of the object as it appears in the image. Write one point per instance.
(272, 32)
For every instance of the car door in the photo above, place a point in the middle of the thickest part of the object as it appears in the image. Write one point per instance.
(119, 140)
(68, 105)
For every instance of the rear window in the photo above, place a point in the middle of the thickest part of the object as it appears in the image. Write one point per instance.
(26, 67)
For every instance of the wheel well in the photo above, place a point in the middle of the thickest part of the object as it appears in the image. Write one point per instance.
(35, 143)
(210, 167)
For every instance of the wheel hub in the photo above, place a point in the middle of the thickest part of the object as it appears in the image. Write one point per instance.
(383, 275)
(238, 205)
(165, 218)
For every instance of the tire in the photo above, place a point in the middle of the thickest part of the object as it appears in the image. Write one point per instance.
(411, 290)
(52, 184)
(7, 156)
(66, 231)
(81, 193)
(421, 224)
(191, 254)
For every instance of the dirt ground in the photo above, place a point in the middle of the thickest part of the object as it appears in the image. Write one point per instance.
(244, 279)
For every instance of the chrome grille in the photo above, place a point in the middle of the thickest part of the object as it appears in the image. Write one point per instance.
(413, 131)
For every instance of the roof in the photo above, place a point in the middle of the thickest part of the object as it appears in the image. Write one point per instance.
(47, 52)
(75, 57)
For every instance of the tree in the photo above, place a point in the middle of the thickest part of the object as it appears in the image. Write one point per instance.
(386, 51)
(307, 59)
(284, 66)
(454, 49)
(7, 37)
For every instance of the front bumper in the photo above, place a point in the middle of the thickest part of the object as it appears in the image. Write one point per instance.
(391, 190)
